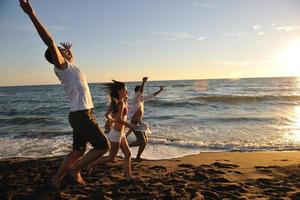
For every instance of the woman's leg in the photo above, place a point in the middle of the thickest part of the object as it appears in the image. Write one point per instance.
(127, 154)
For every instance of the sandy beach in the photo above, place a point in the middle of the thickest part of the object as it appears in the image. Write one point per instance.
(231, 175)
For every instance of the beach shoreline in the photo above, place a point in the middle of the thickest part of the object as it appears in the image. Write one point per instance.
(232, 175)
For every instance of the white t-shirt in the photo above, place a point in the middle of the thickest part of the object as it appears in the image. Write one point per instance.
(137, 102)
(75, 86)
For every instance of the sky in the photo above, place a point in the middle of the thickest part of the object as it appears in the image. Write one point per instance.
(162, 39)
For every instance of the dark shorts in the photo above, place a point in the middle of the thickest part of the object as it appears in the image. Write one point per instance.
(86, 129)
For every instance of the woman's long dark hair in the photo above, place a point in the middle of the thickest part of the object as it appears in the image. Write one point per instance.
(113, 88)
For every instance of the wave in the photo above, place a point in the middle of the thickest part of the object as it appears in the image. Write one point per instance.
(247, 99)
(222, 146)
(164, 103)
(244, 119)
(30, 120)
(181, 85)
(196, 119)
(31, 134)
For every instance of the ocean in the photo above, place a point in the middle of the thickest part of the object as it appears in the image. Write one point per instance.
(188, 117)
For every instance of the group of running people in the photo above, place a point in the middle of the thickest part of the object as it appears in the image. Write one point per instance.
(82, 118)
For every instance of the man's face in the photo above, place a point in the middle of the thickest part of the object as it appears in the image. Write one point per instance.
(65, 53)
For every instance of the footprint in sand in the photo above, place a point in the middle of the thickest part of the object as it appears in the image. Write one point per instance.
(158, 168)
(265, 169)
(186, 165)
(224, 165)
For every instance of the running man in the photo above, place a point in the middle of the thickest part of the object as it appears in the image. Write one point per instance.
(81, 117)
(136, 114)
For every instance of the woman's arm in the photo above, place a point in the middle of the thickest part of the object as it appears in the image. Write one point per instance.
(108, 116)
(119, 116)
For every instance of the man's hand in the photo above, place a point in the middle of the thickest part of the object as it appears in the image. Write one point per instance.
(161, 88)
(68, 51)
(25, 5)
(145, 79)
(66, 45)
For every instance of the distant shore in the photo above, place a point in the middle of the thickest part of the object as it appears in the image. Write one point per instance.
(232, 175)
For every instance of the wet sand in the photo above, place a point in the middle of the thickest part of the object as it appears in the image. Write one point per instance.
(231, 175)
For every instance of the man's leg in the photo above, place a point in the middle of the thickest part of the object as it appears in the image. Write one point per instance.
(92, 133)
(139, 139)
(90, 157)
(65, 166)
(141, 142)
(142, 147)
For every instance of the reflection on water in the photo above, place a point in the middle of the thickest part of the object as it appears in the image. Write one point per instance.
(296, 124)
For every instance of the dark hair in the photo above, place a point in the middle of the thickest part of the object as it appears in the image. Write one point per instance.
(48, 56)
(113, 88)
(136, 89)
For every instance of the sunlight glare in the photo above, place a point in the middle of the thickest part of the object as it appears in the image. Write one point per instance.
(291, 59)
(296, 134)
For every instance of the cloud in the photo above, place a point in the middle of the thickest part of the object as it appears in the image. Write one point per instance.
(135, 43)
(261, 33)
(201, 38)
(204, 5)
(288, 28)
(233, 35)
(235, 63)
(177, 35)
(256, 27)
(173, 36)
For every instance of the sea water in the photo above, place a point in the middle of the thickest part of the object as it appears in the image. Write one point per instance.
(187, 117)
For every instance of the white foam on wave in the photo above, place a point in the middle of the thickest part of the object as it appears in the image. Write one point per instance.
(34, 147)
(157, 148)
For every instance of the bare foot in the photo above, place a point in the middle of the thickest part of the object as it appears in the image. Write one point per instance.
(129, 177)
(78, 178)
(55, 183)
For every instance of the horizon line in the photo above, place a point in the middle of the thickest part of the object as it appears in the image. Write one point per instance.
(2, 86)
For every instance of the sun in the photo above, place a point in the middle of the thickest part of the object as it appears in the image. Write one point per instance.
(291, 58)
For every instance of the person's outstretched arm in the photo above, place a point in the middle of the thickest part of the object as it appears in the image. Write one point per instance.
(148, 97)
(58, 59)
(119, 116)
(159, 91)
(141, 89)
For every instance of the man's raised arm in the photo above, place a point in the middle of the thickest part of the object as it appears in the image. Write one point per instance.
(141, 89)
(58, 59)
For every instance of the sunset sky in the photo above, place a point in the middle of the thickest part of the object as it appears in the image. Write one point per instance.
(163, 39)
